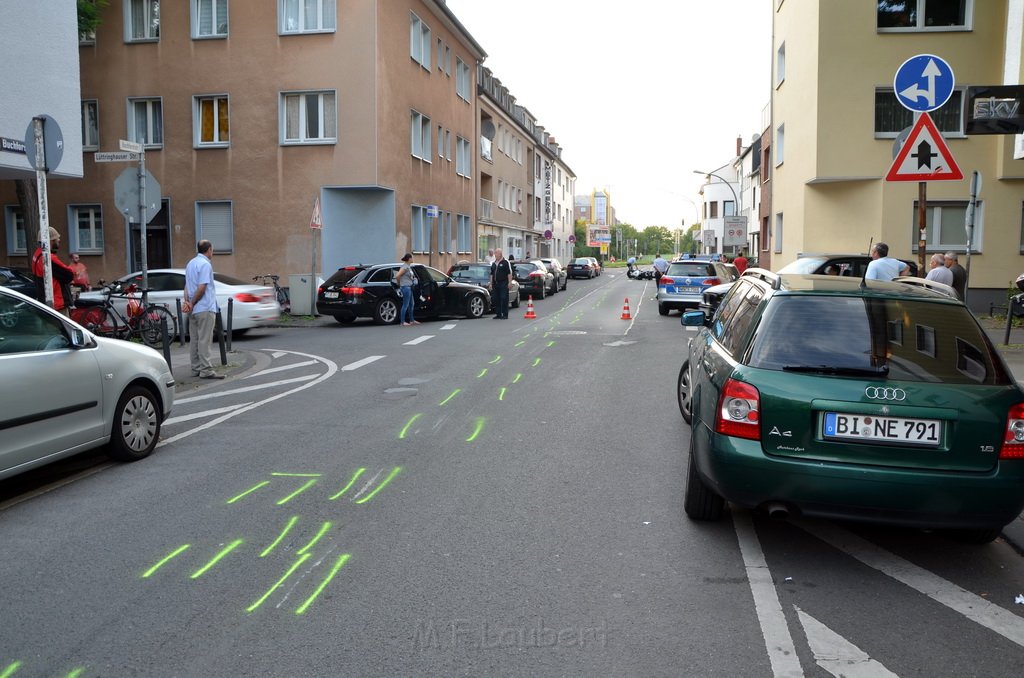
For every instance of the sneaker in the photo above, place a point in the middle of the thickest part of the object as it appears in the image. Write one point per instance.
(415, 322)
(406, 324)
(212, 375)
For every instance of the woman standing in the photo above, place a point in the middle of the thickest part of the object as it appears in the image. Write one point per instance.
(406, 285)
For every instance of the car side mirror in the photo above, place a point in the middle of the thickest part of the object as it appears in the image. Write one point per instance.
(693, 319)
(77, 338)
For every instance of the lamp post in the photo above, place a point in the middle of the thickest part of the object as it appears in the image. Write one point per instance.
(736, 199)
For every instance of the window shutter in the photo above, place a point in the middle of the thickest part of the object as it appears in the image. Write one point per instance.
(215, 225)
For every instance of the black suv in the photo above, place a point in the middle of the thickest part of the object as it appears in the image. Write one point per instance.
(367, 292)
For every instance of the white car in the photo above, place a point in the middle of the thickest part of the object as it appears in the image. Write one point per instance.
(65, 391)
(253, 305)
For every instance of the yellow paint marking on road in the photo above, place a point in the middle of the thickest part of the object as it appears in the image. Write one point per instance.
(291, 570)
(285, 500)
(148, 573)
(273, 545)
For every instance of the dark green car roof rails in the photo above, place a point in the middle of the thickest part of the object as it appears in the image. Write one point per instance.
(765, 275)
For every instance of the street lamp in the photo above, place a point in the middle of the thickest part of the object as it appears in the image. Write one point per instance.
(736, 199)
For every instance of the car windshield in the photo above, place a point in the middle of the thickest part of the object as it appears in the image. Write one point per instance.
(803, 265)
(691, 269)
(901, 339)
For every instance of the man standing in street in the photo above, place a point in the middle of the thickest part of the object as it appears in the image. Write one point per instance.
(660, 267)
(740, 262)
(884, 267)
(501, 276)
(959, 274)
(939, 272)
(62, 274)
(201, 305)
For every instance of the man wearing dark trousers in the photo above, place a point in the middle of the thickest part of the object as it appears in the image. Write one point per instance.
(501, 278)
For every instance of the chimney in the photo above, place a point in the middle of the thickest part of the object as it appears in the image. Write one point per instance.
(739, 145)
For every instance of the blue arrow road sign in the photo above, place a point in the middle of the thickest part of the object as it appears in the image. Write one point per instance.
(924, 82)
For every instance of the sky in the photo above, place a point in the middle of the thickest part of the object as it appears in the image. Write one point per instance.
(638, 94)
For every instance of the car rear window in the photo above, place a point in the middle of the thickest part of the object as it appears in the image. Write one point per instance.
(343, 275)
(581, 262)
(803, 265)
(915, 340)
(691, 269)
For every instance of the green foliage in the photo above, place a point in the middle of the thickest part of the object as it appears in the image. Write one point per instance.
(89, 15)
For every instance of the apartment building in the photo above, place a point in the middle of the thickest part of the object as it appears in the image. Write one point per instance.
(555, 184)
(250, 116)
(835, 118)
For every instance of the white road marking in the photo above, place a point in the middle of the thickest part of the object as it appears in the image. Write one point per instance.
(282, 368)
(836, 654)
(972, 606)
(204, 414)
(332, 369)
(278, 354)
(777, 639)
(360, 363)
(365, 487)
(449, 326)
(245, 389)
(419, 340)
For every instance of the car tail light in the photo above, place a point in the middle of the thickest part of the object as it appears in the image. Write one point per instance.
(537, 274)
(739, 411)
(1013, 442)
(666, 281)
(710, 281)
(353, 291)
(246, 298)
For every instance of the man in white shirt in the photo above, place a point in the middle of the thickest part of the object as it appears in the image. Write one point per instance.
(201, 305)
(939, 272)
(884, 267)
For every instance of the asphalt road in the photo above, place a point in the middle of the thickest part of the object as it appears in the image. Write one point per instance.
(471, 498)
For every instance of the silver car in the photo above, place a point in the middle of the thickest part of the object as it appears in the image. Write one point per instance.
(65, 391)
(684, 283)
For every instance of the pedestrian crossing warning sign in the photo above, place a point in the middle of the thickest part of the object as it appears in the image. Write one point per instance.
(316, 221)
(924, 156)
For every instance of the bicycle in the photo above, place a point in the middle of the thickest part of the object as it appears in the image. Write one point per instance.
(106, 320)
(282, 292)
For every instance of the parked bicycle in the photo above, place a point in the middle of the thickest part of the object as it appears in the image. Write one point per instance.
(105, 320)
(282, 292)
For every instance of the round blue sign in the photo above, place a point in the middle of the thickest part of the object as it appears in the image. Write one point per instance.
(53, 143)
(924, 82)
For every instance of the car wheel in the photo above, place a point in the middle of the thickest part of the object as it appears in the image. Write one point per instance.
(515, 303)
(136, 427)
(565, 283)
(684, 392)
(542, 292)
(699, 502)
(475, 306)
(386, 312)
(662, 309)
(554, 287)
(345, 319)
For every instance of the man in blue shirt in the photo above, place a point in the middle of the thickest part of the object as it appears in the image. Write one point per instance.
(884, 267)
(201, 305)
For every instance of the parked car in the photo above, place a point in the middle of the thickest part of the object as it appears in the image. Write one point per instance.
(253, 305)
(836, 264)
(534, 279)
(557, 270)
(18, 279)
(684, 282)
(67, 391)
(883, 402)
(595, 264)
(580, 267)
(479, 273)
(367, 292)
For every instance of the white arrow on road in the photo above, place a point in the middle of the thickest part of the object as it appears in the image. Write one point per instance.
(836, 654)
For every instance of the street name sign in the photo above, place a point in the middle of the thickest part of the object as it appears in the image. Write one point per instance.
(924, 82)
(925, 156)
(12, 145)
(116, 156)
(130, 146)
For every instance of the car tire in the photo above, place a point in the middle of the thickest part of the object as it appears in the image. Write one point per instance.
(386, 312)
(476, 306)
(699, 502)
(345, 318)
(565, 283)
(542, 292)
(136, 427)
(684, 393)
(554, 287)
(662, 309)
(515, 303)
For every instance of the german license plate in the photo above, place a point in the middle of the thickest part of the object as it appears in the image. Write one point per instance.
(686, 290)
(330, 295)
(869, 428)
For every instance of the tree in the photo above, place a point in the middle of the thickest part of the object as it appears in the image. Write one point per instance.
(658, 239)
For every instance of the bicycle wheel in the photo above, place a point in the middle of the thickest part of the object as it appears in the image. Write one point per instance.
(98, 320)
(283, 300)
(150, 327)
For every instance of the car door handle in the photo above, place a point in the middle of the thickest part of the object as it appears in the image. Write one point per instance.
(708, 367)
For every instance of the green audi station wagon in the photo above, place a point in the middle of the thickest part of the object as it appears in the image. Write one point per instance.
(842, 398)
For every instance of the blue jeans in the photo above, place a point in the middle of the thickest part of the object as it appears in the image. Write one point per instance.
(407, 305)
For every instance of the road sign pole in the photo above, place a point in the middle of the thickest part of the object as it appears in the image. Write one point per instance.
(969, 226)
(44, 212)
(922, 225)
(142, 229)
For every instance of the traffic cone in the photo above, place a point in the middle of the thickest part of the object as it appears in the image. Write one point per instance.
(625, 310)
(530, 315)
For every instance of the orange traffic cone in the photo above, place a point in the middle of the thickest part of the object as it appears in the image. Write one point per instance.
(625, 310)
(530, 315)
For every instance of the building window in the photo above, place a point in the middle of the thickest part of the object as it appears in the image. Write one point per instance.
(420, 229)
(780, 65)
(713, 210)
(14, 225)
(924, 15)
(448, 61)
(780, 145)
(209, 18)
(891, 117)
(90, 125)
(309, 117)
(214, 223)
(146, 122)
(944, 226)
(464, 235)
(728, 208)
(420, 132)
(777, 235)
(419, 41)
(444, 233)
(142, 20)
(462, 79)
(462, 166)
(210, 116)
(448, 145)
(86, 223)
(306, 16)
